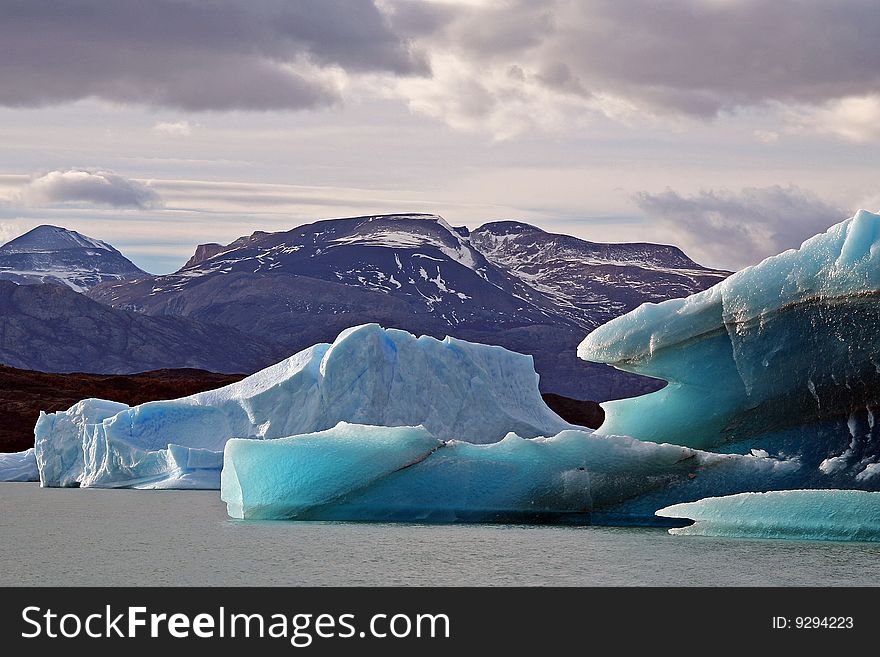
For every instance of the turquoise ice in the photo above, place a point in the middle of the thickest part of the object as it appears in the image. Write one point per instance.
(289, 477)
(782, 357)
(357, 472)
(851, 515)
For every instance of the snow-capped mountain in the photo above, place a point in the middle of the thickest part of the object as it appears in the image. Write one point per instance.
(49, 254)
(418, 260)
(591, 282)
(506, 283)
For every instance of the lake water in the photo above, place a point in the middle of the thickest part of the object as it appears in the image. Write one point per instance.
(114, 537)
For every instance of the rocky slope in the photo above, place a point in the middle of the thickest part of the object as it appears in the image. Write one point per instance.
(53, 329)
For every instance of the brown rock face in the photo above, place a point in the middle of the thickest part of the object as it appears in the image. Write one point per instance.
(203, 252)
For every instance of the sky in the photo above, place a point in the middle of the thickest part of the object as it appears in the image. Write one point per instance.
(734, 129)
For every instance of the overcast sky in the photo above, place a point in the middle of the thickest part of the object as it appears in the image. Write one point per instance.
(732, 128)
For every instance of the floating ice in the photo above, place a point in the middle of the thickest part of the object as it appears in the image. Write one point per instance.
(287, 477)
(834, 515)
(356, 472)
(782, 358)
(19, 466)
(369, 375)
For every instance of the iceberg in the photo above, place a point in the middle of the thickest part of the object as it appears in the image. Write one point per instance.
(369, 473)
(834, 515)
(782, 358)
(369, 375)
(287, 477)
(19, 466)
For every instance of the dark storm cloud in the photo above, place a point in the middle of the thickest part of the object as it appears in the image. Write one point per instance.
(697, 57)
(738, 229)
(220, 54)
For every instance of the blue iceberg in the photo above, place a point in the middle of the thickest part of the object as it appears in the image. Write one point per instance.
(19, 466)
(782, 358)
(288, 477)
(357, 472)
(836, 515)
(369, 375)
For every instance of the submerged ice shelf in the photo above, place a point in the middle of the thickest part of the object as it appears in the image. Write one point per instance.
(369, 375)
(833, 515)
(782, 357)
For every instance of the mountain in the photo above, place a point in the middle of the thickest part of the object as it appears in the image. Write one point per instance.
(590, 282)
(51, 328)
(417, 263)
(418, 273)
(49, 254)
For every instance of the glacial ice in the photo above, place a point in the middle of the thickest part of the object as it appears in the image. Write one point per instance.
(369, 375)
(286, 477)
(19, 466)
(782, 358)
(356, 472)
(851, 515)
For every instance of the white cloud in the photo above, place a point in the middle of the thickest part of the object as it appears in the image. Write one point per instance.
(854, 118)
(174, 128)
(9, 231)
(739, 229)
(90, 187)
(766, 136)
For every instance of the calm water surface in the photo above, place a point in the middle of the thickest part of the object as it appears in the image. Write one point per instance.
(114, 537)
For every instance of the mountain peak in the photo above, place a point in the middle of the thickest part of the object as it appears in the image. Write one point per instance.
(204, 252)
(51, 254)
(52, 238)
(508, 228)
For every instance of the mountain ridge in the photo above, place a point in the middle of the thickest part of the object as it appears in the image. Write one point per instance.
(418, 273)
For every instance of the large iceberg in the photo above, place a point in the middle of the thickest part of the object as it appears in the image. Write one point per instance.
(19, 466)
(369, 375)
(782, 358)
(852, 515)
(356, 472)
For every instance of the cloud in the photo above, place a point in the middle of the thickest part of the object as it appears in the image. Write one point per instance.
(221, 55)
(501, 66)
(766, 136)
(640, 58)
(78, 186)
(854, 118)
(738, 229)
(9, 231)
(173, 128)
